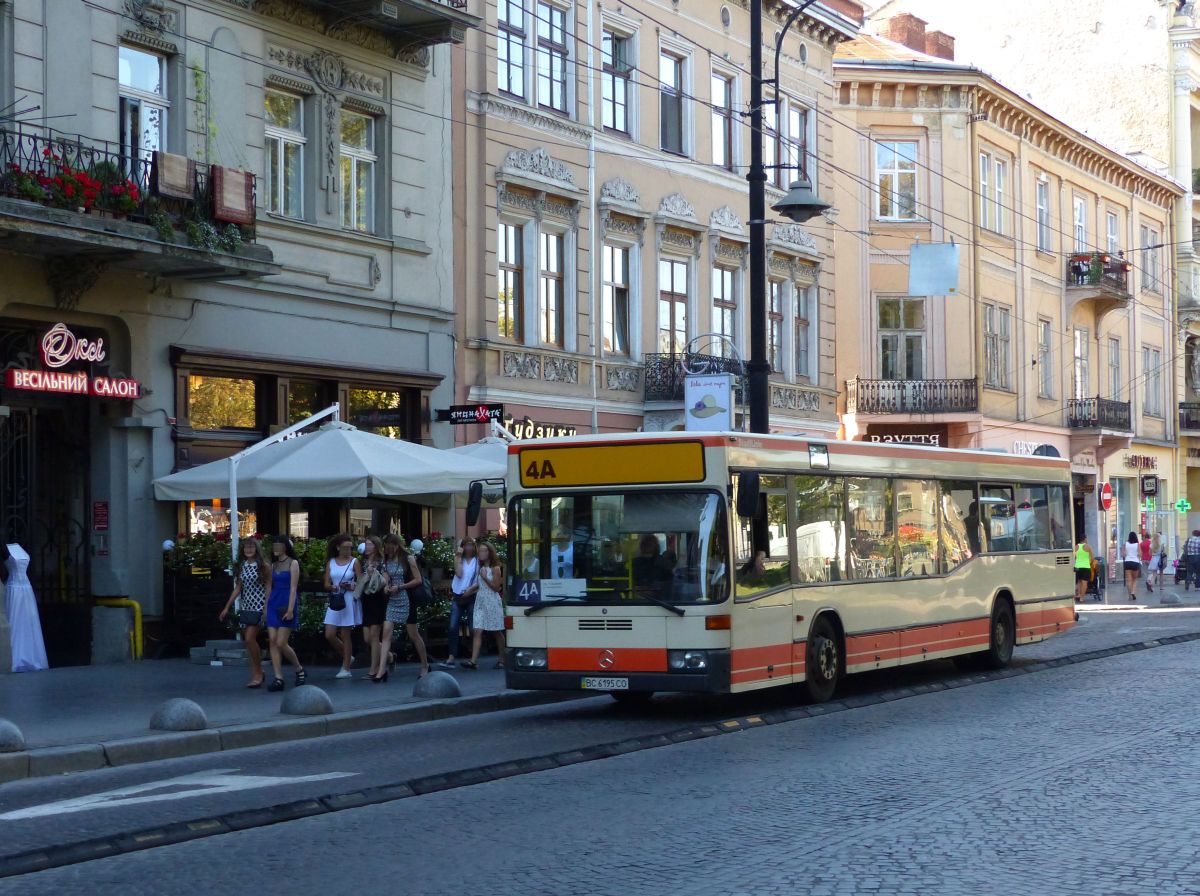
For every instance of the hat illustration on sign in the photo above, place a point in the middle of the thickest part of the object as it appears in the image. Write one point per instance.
(706, 407)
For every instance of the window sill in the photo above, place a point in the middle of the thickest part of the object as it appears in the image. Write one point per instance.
(278, 220)
(902, 222)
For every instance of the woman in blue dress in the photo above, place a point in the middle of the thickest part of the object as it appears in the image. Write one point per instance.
(282, 610)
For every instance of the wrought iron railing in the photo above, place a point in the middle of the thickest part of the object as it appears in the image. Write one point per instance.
(1098, 269)
(665, 374)
(81, 174)
(1099, 413)
(911, 396)
(1189, 416)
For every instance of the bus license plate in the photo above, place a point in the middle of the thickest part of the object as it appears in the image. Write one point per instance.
(606, 684)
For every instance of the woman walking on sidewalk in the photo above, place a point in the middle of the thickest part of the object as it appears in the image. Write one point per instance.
(372, 589)
(463, 587)
(489, 607)
(341, 574)
(250, 576)
(1144, 555)
(1157, 558)
(282, 610)
(1083, 569)
(399, 565)
(1132, 556)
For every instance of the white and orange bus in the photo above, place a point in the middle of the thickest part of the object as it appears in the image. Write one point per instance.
(726, 562)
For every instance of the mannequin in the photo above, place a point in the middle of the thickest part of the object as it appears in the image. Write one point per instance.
(28, 648)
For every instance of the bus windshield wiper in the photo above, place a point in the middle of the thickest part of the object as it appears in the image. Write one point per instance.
(665, 604)
(542, 604)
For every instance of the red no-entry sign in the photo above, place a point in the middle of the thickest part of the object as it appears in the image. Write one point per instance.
(1105, 496)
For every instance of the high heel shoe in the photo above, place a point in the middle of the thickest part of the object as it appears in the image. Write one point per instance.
(380, 679)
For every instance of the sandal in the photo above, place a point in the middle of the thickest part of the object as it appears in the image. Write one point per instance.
(255, 684)
(276, 685)
(301, 677)
(498, 666)
(467, 664)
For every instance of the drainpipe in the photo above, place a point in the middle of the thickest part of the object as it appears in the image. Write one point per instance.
(593, 267)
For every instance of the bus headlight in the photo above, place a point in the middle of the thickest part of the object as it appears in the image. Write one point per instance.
(687, 660)
(531, 658)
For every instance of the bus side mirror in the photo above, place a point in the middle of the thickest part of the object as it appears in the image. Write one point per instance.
(474, 502)
(747, 494)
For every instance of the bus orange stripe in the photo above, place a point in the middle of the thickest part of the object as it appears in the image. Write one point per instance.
(624, 659)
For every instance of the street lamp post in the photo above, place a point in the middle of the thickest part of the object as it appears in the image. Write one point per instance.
(799, 205)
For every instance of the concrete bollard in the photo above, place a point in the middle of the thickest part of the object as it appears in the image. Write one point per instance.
(306, 700)
(1169, 600)
(437, 685)
(11, 738)
(179, 714)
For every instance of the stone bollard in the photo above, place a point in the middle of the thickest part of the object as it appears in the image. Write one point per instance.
(179, 714)
(306, 700)
(437, 685)
(1169, 600)
(11, 738)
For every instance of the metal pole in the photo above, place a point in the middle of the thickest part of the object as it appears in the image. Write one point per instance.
(757, 369)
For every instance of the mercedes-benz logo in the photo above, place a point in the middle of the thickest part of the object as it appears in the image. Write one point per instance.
(607, 659)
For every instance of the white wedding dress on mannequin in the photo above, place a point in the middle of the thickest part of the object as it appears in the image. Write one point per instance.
(28, 648)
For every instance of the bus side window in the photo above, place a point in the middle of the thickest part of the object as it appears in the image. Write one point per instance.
(917, 526)
(1061, 530)
(1033, 518)
(762, 543)
(872, 544)
(960, 524)
(820, 528)
(998, 517)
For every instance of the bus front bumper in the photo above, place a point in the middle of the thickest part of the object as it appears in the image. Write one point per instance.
(712, 680)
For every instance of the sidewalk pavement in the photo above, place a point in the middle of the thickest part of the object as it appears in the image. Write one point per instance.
(1168, 594)
(81, 718)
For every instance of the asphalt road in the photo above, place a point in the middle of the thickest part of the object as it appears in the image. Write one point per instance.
(42, 813)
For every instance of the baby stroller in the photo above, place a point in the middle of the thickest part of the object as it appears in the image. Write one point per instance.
(1180, 571)
(1099, 572)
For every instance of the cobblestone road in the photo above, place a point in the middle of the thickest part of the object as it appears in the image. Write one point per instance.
(1083, 779)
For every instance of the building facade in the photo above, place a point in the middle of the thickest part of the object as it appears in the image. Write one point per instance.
(219, 216)
(602, 222)
(1060, 337)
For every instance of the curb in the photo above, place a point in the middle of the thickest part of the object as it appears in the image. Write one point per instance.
(62, 760)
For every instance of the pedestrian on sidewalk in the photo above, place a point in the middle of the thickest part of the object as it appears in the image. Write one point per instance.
(1131, 555)
(463, 588)
(1158, 557)
(283, 610)
(489, 607)
(415, 600)
(1083, 569)
(1144, 555)
(1191, 561)
(341, 574)
(400, 577)
(250, 576)
(372, 593)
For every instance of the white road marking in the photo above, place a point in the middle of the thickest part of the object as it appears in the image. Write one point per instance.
(196, 784)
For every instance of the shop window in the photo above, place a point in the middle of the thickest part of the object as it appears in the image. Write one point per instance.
(872, 528)
(212, 518)
(381, 411)
(220, 402)
(305, 398)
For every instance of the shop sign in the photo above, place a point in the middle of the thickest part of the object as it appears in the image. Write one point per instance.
(459, 414)
(379, 417)
(100, 516)
(1083, 459)
(61, 346)
(72, 383)
(1149, 485)
(1141, 462)
(1034, 449)
(531, 429)
(931, 436)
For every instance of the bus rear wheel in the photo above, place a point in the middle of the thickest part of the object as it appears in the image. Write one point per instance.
(1003, 636)
(632, 698)
(822, 661)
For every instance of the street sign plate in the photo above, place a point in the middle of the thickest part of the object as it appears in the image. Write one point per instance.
(1106, 496)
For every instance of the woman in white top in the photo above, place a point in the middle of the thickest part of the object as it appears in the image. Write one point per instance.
(462, 595)
(341, 573)
(1131, 554)
(489, 606)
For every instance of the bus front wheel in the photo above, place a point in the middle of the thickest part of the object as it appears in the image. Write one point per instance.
(1003, 636)
(823, 661)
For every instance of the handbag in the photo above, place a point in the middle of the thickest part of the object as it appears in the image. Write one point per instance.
(337, 598)
(250, 617)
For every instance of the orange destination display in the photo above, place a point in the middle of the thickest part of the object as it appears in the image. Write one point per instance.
(627, 464)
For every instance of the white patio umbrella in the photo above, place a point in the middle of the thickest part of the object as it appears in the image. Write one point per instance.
(490, 450)
(336, 461)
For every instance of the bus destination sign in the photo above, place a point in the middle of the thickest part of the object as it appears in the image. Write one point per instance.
(630, 464)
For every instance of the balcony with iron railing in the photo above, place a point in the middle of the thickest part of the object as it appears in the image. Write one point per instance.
(911, 396)
(410, 23)
(1189, 417)
(1099, 413)
(72, 199)
(665, 374)
(1098, 277)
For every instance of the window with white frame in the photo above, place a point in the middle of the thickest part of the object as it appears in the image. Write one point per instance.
(1152, 376)
(510, 47)
(552, 51)
(1044, 237)
(806, 327)
(358, 171)
(551, 288)
(616, 58)
(614, 291)
(672, 306)
(775, 325)
(143, 106)
(1151, 246)
(1111, 240)
(993, 189)
(896, 179)
(997, 339)
(724, 309)
(670, 102)
(785, 140)
(1045, 358)
(283, 145)
(722, 121)
(1079, 221)
(510, 282)
(770, 124)
(901, 328)
(1080, 375)
(1116, 385)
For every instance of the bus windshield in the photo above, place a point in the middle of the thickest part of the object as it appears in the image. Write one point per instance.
(619, 547)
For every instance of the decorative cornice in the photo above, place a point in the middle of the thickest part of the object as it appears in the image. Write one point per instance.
(508, 110)
(793, 235)
(150, 41)
(620, 190)
(537, 166)
(725, 220)
(150, 15)
(285, 82)
(676, 206)
(327, 70)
